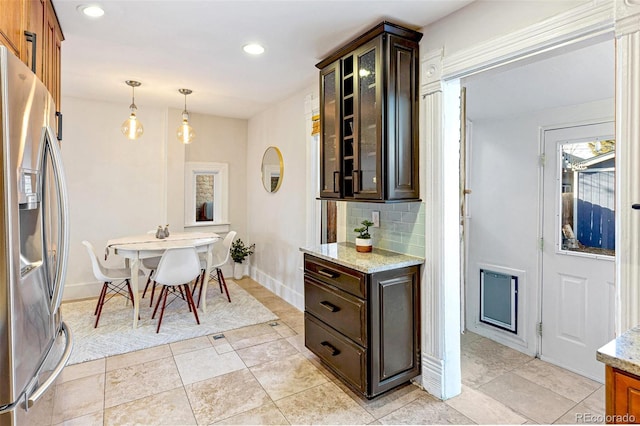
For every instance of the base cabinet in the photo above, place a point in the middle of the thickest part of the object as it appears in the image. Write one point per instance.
(622, 396)
(364, 327)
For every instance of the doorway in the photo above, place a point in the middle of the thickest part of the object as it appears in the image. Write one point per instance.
(578, 253)
(507, 109)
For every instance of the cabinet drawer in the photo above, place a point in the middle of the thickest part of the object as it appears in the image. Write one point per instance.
(340, 310)
(331, 273)
(343, 356)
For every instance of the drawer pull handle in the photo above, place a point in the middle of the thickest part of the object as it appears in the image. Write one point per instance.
(330, 348)
(329, 274)
(330, 306)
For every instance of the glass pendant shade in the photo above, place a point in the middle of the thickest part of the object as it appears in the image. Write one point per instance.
(132, 127)
(185, 132)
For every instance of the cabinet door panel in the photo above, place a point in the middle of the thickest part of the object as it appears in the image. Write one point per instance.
(11, 24)
(395, 328)
(329, 136)
(35, 24)
(402, 119)
(627, 398)
(367, 173)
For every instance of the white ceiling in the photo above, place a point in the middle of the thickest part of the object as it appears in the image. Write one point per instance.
(197, 44)
(560, 78)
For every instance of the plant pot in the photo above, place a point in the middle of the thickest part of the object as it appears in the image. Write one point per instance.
(363, 245)
(238, 271)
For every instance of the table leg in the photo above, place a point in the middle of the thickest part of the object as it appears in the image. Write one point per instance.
(135, 267)
(205, 284)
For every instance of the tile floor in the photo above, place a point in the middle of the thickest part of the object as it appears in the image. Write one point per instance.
(262, 374)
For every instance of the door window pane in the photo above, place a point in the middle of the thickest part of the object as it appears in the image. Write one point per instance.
(588, 197)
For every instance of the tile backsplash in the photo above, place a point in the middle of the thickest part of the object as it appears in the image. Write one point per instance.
(402, 225)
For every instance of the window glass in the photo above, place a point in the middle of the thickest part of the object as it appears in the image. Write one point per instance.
(204, 197)
(206, 192)
(588, 197)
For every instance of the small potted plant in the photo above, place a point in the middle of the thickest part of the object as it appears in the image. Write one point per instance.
(363, 240)
(239, 252)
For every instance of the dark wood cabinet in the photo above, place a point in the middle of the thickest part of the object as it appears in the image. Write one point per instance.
(369, 117)
(364, 327)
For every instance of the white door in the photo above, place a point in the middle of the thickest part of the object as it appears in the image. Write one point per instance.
(578, 262)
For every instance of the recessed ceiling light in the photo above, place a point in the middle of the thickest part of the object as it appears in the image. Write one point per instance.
(253, 49)
(91, 10)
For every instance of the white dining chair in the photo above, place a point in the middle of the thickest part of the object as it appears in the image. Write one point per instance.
(221, 257)
(176, 269)
(115, 281)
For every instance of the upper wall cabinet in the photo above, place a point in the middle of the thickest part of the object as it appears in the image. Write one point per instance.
(30, 29)
(369, 117)
(11, 24)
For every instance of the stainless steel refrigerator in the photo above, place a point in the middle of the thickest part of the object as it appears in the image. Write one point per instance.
(34, 342)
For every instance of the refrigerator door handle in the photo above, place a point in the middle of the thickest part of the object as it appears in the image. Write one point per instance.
(37, 393)
(63, 205)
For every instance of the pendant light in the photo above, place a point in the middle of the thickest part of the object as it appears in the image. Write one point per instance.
(132, 127)
(185, 132)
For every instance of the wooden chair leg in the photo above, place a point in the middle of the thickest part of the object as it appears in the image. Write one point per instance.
(187, 292)
(158, 302)
(100, 297)
(201, 285)
(164, 303)
(130, 292)
(199, 280)
(100, 303)
(153, 290)
(224, 283)
(146, 286)
(191, 303)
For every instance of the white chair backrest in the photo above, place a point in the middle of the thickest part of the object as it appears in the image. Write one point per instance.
(98, 270)
(226, 243)
(178, 266)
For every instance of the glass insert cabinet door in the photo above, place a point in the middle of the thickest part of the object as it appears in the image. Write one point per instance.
(329, 137)
(366, 173)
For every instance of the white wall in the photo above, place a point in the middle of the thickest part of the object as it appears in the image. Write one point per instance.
(276, 222)
(115, 185)
(119, 187)
(504, 208)
(222, 140)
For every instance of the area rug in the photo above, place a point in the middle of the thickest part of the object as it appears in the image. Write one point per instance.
(115, 334)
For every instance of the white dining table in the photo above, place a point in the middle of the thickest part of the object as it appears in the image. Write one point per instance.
(134, 248)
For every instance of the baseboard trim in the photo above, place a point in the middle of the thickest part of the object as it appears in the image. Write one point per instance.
(287, 293)
(432, 375)
(78, 291)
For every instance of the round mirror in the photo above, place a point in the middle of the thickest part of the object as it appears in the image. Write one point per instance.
(272, 169)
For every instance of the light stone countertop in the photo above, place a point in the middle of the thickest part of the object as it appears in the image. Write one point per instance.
(378, 260)
(623, 352)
